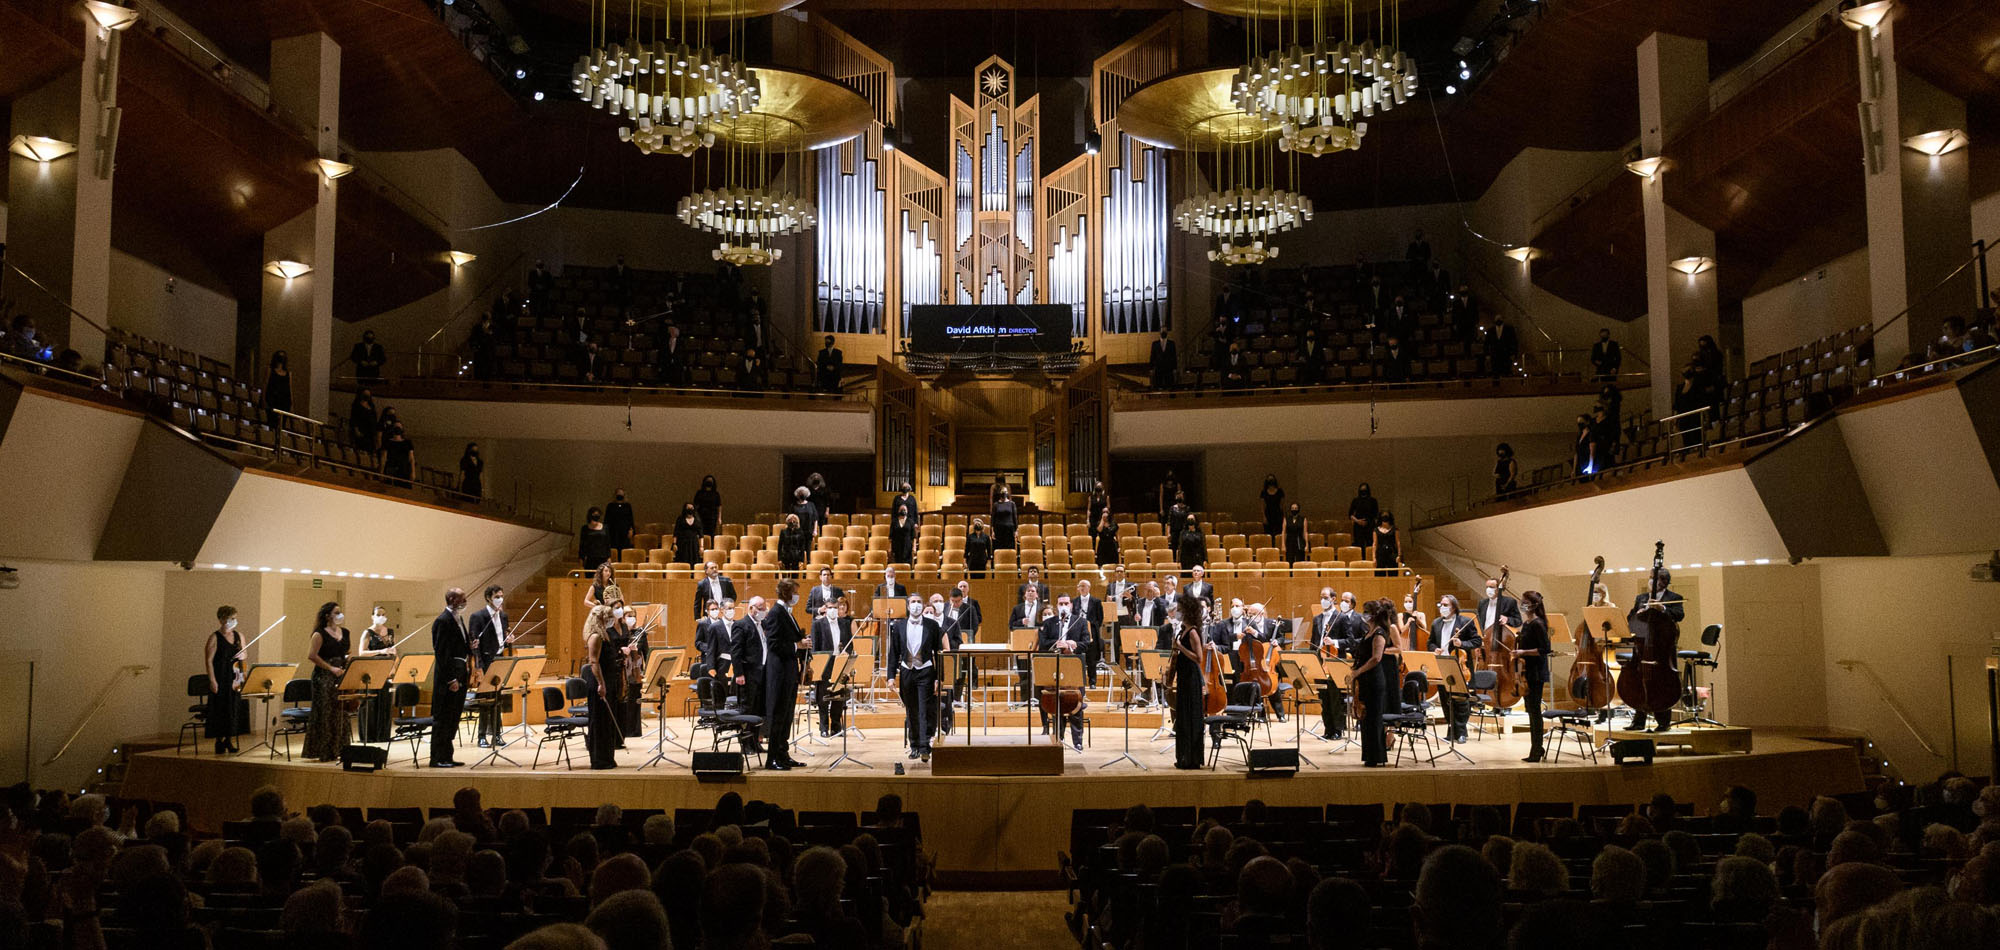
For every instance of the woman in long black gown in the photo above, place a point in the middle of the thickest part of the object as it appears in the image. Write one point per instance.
(1188, 682)
(471, 471)
(378, 710)
(604, 677)
(1005, 519)
(1295, 535)
(326, 722)
(1388, 548)
(708, 504)
(1371, 683)
(687, 536)
(225, 663)
(1191, 546)
(1273, 498)
(1361, 515)
(1107, 538)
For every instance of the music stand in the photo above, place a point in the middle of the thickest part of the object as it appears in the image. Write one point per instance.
(1142, 639)
(527, 669)
(889, 608)
(493, 679)
(1289, 668)
(660, 667)
(1125, 679)
(362, 677)
(1155, 665)
(1023, 641)
(1055, 669)
(949, 669)
(835, 668)
(1451, 682)
(817, 663)
(414, 667)
(1607, 624)
(267, 682)
(1340, 675)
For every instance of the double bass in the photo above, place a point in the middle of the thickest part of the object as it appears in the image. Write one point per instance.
(1499, 650)
(1651, 683)
(1255, 657)
(1214, 692)
(1061, 702)
(1589, 681)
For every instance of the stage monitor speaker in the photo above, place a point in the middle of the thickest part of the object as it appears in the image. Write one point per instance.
(1622, 749)
(1265, 763)
(718, 766)
(363, 758)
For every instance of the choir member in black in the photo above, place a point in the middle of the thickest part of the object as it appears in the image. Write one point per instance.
(687, 536)
(1106, 534)
(1533, 650)
(809, 514)
(1660, 602)
(1198, 586)
(1065, 633)
(1187, 682)
(278, 388)
(1371, 683)
(1100, 502)
(1362, 512)
(1454, 634)
(1192, 547)
(378, 709)
(914, 644)
(1035, 581)
(604, 678)
(826, 367)
(224, 654)
(792, 544)
(618, 520)
(708, 504)
(326, 723)
(1506, 472)
(593, 540)
(832, 632)
(978, 550)
(781, 673)
(1295, 535)
(488, 629)
(1006, 518)
(821, 496)
(399, 455)
(1177, 515)
(1169, 491)
(712, 587)
(903, 526)
(1388, 547)
(364, 425)
(471, 471)
(1163, 362)
(1273, 498)
(451, 673)
(823, 593)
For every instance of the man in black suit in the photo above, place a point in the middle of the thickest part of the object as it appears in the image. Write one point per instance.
(1227, 633)
(825, 592)
(1312, 359)
(966, 612)
(745, 665)
(889, 586)
(1027, 613)
(712, 587)
(618, 520)
(1092, 611)
(1035, 581)
(1198, 586)
(903, 527)
(1121, 592)
(367, 357)
(1164, 362)
(489, 637)
(450, 675)
(826, 367)
(1659, 604)
(1454, 634)
(1605, 357)
(1496, 607)
(1065, 633)
(832, 632)
(959, 618)
(1339, 624)
(914, 644)
(1148, 609)
(711, 639)
(783, 638)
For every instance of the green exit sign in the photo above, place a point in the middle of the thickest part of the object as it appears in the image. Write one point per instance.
(318, 583)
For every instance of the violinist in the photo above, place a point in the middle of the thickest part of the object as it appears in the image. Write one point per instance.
(1186, 679)
(1454, 634)
(1332, 631)
(832, 632)
(1371, 683)
(1533, 650)
(1227, 635)
(1660, 601)
(224, 652)
(1065, 633)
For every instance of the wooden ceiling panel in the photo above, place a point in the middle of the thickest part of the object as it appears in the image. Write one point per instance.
(38, 40)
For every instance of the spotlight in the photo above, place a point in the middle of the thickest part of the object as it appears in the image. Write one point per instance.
(1451, 90)
(520, 74)
(538, 95)
(1465, 74)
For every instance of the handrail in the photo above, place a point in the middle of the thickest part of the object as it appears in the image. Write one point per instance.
(38, 367)
(812, 395)
(1890, 699)
(1980, 248)
(478, 296)
(1413, 385)
(135, 670)
(1925, 367)
(58, 298)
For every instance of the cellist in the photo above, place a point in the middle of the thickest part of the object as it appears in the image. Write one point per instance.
(1661, 601)
(1186, 680)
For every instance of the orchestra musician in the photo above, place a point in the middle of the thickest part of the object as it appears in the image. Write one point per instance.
(1659, 600)
(711, 641)
(1497, 607)
(712, 586)
(377, 709)
(326, 724)
(1186, 680)
(960, 619)
(223, 652)
(889, 586)
(744, 664)
(1227, 635)
(488, 629)
(1064, 633)
(1454, 634)
(1122, 591)
(1337, 628)
(1092, 611)
(914, 644)
(450, 673)
(832, 632)
(1198, 586)
(824, 593)
(1371, 683)
(782, 639)
(1149, 609)
(604, 671)
(1533, 649)
(1034, 580)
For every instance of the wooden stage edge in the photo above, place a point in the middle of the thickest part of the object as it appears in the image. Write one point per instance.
(1006, 830)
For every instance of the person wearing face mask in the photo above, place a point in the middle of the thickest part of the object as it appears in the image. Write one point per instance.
(903, 517)
(451, 671)
(978, 550)
(1363, 512)
(1065, 633)
(687, 536)
(1496, 607)
(792, 545)
(1273, 498)
(378, 709)
(1006, 518)
(1227, 634)
(223, 653)
(782, 640)
(629, 636)
(712, 587)
(368, 358)
(823, 593)
(326, 723)
(618, 520)
(604, 677)
(889, 586)
(708, 504)
(832, 632)
(1454, 634)
(1295, 534)
(914, 644)
(711, 640)
(488, 630)
(959, 617)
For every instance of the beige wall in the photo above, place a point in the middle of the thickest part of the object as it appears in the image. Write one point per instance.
(151, 302)
(1823, 300)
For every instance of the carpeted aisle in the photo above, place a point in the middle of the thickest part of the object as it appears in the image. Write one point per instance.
(996, 920)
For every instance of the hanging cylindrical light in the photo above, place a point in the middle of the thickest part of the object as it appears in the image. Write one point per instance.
(1324, 77)
(651, 63)
(759, 192)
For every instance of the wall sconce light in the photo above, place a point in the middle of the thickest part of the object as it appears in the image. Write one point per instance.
(1648, 168)
(332, 170)
(1693, 265)
(461, 258)
(287, 269)
(1523, 254)
(40, 148)
(1867, 16)
(110, 17)
(1938, 143)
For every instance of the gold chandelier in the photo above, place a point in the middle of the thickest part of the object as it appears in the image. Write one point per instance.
(760, 192)
(652, 63)
(1322, 77)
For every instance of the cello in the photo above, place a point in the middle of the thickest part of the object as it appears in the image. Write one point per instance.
(1589, 681)
(1214, 693)
(1651, 683)
(1255, 656)
(1499, 654)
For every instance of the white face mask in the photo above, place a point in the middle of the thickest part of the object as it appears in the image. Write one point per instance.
(713, 614)
(1326, 603)
(1065, 613)
(338, 616)
(381, 619)
(617, 613)
(731, 614)
(1347, 606)
(1235, 613)
(916, 609)
(499, 603)
(1446, 610)
(1490, 591)
(229, 624)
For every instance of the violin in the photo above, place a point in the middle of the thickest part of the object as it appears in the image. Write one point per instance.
(1589, 681)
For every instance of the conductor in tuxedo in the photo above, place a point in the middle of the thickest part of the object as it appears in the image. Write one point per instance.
(450, 675)
(489, 637)
(914, 644)
(783, 638)
(1164, 361)
(1659, 602)
(712, 586)
(832, 632)
(1065, 633)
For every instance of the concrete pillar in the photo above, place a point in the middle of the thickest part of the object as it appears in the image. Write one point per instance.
(59, 216)
(1919, 206)
(1681, 307)
(298, 312)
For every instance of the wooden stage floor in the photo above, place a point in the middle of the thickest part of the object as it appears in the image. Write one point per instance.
(1005, 828)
